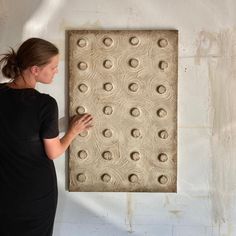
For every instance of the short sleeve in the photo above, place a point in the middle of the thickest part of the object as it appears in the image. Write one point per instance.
(49, 118)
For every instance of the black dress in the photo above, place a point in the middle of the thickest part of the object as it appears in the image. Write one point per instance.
(28, 184)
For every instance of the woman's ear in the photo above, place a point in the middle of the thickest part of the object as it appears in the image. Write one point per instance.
(34, 70)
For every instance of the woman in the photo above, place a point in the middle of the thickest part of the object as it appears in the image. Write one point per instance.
(29, 140)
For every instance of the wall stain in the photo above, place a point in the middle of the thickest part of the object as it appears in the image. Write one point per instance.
(217, 49)
(176, 213)
(167, 201)
(4, 14)
(130, 212)
(207, 46)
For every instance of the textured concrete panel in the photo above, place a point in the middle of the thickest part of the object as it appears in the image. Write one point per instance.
(128, 81)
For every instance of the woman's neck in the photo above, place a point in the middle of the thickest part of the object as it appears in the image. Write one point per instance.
(23, 81)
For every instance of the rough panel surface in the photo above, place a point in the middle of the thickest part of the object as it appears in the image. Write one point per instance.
(128, 81)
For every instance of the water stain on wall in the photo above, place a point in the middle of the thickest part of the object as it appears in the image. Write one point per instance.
(176, 213)
(3, 14)
(129, 212)
(166, 201)
(217, 49)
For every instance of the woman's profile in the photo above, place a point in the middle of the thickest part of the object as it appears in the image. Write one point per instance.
(29, 140)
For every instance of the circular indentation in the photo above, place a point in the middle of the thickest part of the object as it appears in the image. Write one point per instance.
(107, 64)
(162, 157)
(108, 86)
(161, 113)
(107, 155)
(135, 112)
(162, 179)
(133, 62)
(107, 42)
(135, 133)
(163, 134)
(134, 41)
(161, 89)
(83, 133)
(133, 87)
(133, 178)
(107, 110)
(83, 88)
(163, 65)
(106, 178)
(162, 43)
(82, 65)
(82, 42)
(81, 177)
(107, 133)
(135, 156)
(82, 154)
(80, 110)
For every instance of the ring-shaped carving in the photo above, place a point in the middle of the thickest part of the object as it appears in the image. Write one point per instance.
(82, 65)
(82, 42)
(81, 177)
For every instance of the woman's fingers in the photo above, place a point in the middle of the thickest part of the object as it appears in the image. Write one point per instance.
(84, 120)
(80, 123)
(88, 120)
(85, 117)
(89, 126)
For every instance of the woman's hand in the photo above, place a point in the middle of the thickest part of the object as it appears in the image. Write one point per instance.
(80, 123)
(55, 147)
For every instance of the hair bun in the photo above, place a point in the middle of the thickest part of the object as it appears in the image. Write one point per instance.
(10, 65)
(12, 57)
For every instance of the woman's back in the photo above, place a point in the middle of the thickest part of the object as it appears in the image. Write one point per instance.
(27, 176)
(29, 140)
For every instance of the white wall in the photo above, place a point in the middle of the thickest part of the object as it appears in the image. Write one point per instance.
(205, 202)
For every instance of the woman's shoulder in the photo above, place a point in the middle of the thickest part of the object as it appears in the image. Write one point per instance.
(47, 105)
(46, 97)
(47, 100)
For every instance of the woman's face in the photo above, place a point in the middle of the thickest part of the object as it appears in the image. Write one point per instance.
(47, 72)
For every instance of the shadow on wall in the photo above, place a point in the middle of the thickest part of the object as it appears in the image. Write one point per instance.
(37, 24)
(90, 214)
(13, 18)
(20, 21)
